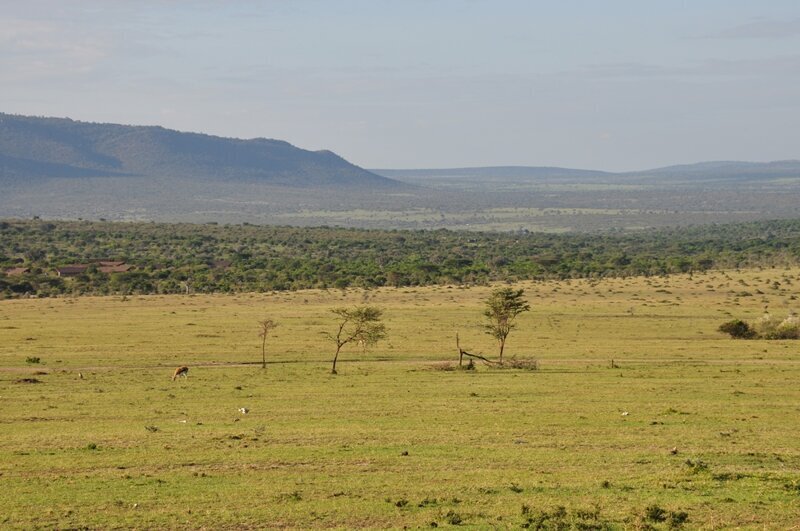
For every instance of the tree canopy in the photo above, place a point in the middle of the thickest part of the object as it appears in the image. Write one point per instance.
(361, 324)
(181, 258)
(502, 308)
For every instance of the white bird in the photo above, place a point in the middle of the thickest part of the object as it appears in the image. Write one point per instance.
(243, 410)
(625, 413)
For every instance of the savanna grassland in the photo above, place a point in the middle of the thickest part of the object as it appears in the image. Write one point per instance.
(641, 413)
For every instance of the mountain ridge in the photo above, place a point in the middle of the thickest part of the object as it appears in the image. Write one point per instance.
(67, 148)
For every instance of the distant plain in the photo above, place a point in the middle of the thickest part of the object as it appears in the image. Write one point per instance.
(582, 204)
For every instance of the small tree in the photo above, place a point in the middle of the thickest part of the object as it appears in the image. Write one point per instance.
(361, 324)
(265, 327)
(502, 309)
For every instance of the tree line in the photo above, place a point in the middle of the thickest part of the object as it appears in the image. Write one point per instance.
(191, 258)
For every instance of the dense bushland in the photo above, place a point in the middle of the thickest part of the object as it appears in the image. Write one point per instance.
(174, 258)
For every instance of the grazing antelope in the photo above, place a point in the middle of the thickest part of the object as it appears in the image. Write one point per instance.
(181, 371)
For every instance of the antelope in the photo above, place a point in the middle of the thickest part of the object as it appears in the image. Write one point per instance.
(181, 371)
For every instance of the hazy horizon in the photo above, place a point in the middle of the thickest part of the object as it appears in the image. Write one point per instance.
(620, 86)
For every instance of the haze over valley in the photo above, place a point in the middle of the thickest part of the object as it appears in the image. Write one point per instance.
(60, 168)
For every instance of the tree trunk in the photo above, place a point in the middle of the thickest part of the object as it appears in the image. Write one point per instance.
(264, 353)
(502, 346)
(335, 357)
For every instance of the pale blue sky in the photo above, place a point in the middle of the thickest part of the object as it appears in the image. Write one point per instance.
(613, 84)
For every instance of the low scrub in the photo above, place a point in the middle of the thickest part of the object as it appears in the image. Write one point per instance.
(561, 518)
(764, 328)
(443, 366)
(526, 364)
(770, 328)
(674, 519)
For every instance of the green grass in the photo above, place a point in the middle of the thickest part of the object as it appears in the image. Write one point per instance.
(126, 447)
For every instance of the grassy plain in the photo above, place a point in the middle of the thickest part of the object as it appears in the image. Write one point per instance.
(503, 219)
(489, 219)
(393, 440)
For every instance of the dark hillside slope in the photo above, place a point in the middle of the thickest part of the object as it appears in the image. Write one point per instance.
(36, 148)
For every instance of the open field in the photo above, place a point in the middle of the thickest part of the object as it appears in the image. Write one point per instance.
(393, 440)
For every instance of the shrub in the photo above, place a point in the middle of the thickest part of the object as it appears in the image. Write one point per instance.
(769, 328)
(766, 327)
(738, 329)
(789, 328)
(453, 518)
(33, 360)
(561, 518)
(677, 519)
(655, 513)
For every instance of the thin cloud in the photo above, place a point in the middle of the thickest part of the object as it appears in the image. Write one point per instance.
(780, 66)
(34, 49)
(763, 29)
(623, 70)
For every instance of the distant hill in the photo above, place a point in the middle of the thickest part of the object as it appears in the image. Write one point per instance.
(46, 148)
(685, 173)
(492, 173)
(725, 171)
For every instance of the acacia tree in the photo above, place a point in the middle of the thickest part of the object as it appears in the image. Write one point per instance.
(502, 309)
(361, 324)
(264, 328)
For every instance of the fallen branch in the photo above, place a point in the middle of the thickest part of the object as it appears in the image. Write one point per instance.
(462, 353)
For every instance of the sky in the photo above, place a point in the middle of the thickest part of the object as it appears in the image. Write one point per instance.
(613, 85)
